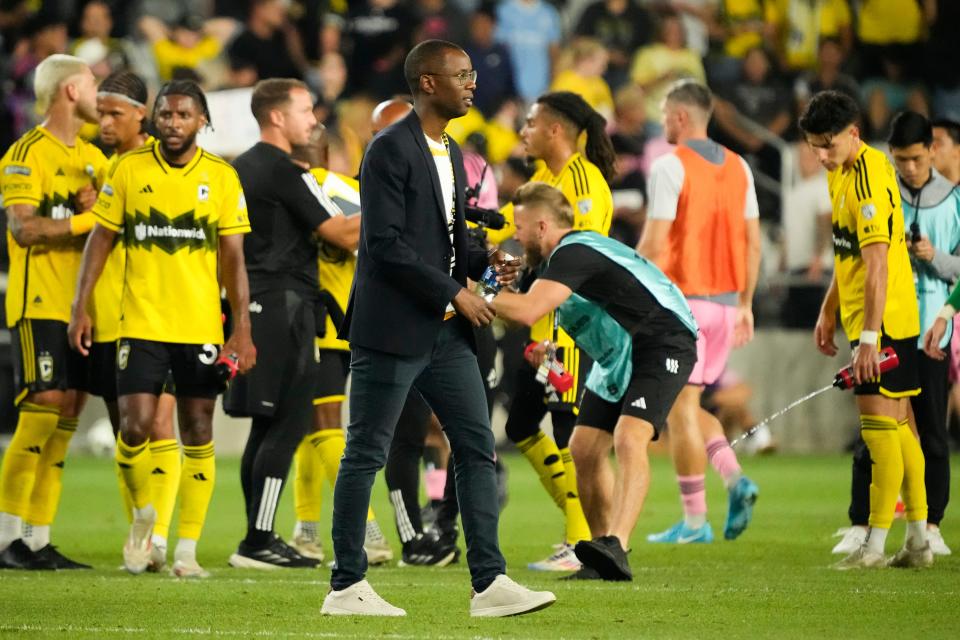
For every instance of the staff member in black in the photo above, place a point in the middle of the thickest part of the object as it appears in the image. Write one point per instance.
(287, 209)
(411, 273)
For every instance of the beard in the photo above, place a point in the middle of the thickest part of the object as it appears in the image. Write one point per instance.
(534, 257)
(175, 151)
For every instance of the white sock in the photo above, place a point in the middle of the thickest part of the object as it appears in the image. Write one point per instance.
(10, 526)
(694, 520)
(876, 539)
(307, 529)
(186, 549)
(159, 541)
(731, 481)
(36, 536)
(147, 513)
(916, 534)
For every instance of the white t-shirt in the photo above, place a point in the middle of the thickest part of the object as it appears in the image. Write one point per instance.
(805, 201)
(666, 180)
(441, 158)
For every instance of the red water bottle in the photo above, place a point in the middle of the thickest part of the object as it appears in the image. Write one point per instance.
(888, 361)
(227, 366)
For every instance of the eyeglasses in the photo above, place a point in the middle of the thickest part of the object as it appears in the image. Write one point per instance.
(463, 78)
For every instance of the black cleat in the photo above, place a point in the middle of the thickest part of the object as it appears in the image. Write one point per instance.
(426, 550)
(585, 573)
(276, 555)
(606, 556)
(50, 558)
(18, 555)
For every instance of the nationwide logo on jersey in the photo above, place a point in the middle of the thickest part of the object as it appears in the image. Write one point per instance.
(56, 208)
(170, 235)
(845, 242)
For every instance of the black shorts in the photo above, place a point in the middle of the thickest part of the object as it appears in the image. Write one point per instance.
(43, 359)
(143, 366)
(333, 366)
(902, 382)
(102, 374)
(661, 367)
(284, 332)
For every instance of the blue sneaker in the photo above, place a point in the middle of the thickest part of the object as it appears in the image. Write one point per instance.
(742, 496)
(681, 534)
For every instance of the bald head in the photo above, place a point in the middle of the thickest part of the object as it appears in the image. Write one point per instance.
(388, 112)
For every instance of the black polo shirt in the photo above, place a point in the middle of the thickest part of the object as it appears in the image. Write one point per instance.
(286, 206)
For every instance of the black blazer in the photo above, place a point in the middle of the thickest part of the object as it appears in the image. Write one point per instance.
(402, 283)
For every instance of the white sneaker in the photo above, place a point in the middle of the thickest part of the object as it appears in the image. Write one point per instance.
(853, 539)
(908, 558)
(862, 559)
(137, 550)
(564, 559)
(504, 597)
(306, 544)
(358, 600)
(376, 545)
(937, 545)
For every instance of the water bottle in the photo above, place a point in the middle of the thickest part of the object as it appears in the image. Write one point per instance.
(488, 287)
(227, 366)
(888, 361)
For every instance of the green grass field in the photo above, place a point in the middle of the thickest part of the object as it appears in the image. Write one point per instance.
(774, 582)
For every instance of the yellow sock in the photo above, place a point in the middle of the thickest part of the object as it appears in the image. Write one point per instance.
(196, 488)
(914, 488)
(543, 454)
(577, 528)
(329, 445)
(164, 482)
(307, 479)
(35, 426)
(124, 494)
(880, 434)
(48, 485)
(135, 465)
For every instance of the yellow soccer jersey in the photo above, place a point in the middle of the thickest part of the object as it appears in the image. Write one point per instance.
(337, 266)
(40, 170)
(172, 218)
(105, 301)
(866, 210)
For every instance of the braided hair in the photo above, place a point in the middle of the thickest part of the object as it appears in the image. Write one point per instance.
(575, 110)
(187, 88)
(126, 84)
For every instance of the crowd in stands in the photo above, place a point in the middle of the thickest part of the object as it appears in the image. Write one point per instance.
(762, 58)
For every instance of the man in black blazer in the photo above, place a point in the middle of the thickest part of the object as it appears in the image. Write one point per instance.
(409, 324)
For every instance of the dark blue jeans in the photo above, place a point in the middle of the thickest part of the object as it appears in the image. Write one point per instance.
(449, 380)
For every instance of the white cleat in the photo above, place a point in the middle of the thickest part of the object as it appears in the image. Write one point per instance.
(908, 558)
(376, 545)
(137, 550)
(937, 545)
(306, 545)
(158, 558)
(504, 597)
(563, 560)
(853, 539)
(188, 568)
(358, 600)
(862, 559)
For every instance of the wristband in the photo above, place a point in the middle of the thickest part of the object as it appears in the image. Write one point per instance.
(947, 312)
(868, 337)
(82, 223)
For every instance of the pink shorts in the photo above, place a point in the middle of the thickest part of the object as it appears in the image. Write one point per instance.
(714, 341)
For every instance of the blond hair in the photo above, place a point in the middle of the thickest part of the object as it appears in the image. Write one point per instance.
(550, 199)
(50, 75)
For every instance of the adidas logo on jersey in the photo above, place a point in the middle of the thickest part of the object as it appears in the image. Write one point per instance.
(146, 189)
(60, 171)
(639, 403)
(38, 300)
